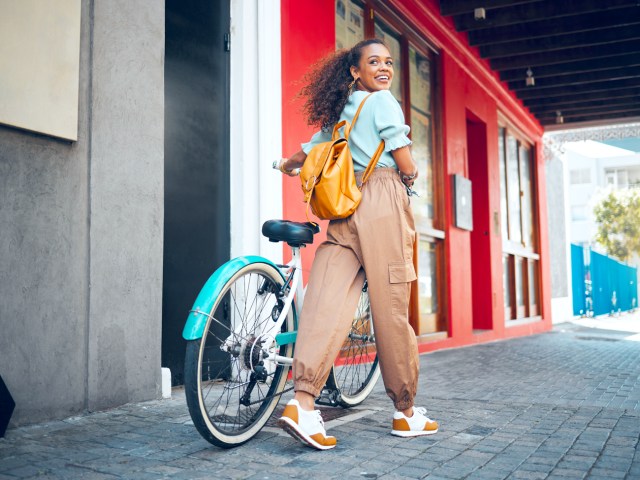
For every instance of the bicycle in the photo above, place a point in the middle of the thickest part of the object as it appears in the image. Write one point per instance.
(241, 334)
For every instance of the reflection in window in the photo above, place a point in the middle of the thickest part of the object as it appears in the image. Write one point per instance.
(427, 278)
(390, 38)
(503, 186)
(349, 23)
(513, 190)
(506, 281)
(527, 195)
(533, 284)
(519, 282)
(420, 83)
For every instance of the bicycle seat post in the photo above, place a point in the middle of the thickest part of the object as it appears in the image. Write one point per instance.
(296, 257)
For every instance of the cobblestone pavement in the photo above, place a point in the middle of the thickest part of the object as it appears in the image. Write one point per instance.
(561, 405)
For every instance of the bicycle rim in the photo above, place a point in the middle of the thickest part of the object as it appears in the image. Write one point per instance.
(231, 389)
(356, 369)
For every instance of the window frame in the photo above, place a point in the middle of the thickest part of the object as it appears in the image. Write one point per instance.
(434, 324)
(527, 255)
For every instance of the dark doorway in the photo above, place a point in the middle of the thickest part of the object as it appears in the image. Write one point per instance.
(196, 219)
(478, 169)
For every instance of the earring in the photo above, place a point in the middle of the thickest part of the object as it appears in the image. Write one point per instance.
(352, 84)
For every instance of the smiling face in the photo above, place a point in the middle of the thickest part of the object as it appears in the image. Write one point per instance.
(375, 68)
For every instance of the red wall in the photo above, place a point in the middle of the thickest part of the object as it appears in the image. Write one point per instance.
(470, 90)
(308, 34)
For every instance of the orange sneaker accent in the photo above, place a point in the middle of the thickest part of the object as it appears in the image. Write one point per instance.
(291, 412)
(401, 425)
(325, 441)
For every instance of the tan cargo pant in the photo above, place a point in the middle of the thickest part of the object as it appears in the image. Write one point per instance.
(377, 239)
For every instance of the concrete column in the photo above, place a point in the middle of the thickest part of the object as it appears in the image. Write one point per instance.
(126, 168)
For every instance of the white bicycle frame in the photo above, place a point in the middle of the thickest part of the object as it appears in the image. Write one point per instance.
(293, 275)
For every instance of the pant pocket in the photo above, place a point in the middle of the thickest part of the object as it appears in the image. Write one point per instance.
(401, 274)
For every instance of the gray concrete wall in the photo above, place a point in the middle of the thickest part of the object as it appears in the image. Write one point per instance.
(81, 230)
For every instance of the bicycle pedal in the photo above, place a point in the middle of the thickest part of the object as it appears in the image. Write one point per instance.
(328, 397)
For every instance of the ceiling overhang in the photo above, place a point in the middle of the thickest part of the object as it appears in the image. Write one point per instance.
(582, 57)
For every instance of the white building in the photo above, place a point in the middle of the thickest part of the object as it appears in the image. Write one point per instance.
(594, 167)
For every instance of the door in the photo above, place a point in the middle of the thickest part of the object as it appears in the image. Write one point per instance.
(480, 235)
(196, 221)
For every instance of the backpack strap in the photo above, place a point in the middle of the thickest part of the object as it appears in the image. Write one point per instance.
(378, 153)
(372, 164)
(348, 128)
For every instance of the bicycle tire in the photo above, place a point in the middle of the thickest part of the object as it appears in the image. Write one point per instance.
(356, 369)
(220, 365)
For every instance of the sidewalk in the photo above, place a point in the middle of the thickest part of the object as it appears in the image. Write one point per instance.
(561, 405)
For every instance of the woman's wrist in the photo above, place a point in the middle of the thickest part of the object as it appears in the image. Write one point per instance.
(282, 166)
(407, 177)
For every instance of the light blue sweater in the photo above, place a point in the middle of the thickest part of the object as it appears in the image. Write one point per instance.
(381, 118)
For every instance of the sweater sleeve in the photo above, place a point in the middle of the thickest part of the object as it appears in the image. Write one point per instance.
(389, 121)
(319, 137)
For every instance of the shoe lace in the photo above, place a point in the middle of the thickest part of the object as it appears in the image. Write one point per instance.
(318, 416)
(420, 410)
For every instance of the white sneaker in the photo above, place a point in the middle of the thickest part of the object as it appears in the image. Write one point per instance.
(416, 425)
(305, 426)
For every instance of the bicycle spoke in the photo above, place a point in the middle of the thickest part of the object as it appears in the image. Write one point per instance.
(234, 394)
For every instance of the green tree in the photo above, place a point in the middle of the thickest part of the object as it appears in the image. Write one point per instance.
(617, 214)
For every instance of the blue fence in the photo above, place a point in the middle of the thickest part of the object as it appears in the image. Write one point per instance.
(601, 284)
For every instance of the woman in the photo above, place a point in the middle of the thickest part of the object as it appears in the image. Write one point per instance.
(377, 239)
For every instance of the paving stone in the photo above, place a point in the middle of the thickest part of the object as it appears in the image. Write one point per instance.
(528, 474)
(606, 473)
(527, 408)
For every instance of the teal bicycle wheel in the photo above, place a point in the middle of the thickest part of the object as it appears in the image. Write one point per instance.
(230, 386)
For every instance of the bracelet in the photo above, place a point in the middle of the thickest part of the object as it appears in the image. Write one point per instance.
(408, 177)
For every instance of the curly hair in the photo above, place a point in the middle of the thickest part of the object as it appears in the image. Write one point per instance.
(327, 85)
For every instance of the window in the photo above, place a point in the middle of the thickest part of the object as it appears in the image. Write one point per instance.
(622, 178)
(349, 23)
(385, 33)
(413, 86)
(519, 234)
(580, 177)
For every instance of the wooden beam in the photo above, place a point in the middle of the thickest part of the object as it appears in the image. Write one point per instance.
(576, 78)
(580, 97)
(555, 26)
(570, 68)
(579, 89)
(456, 7)
(520, 14)
(561, 42)
(563, 56)
(590, 118)
(588, 105)
(594, 111)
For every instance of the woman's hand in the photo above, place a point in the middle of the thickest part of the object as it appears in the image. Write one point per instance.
(409, 178)
(282, 166)
(291, 166)
(406, 166)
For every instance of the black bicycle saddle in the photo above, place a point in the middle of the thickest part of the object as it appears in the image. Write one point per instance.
(294, 233)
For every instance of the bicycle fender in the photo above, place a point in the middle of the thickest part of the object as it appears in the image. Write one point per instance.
(197, 319)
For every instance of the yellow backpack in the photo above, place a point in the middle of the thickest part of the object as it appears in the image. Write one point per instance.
(328, 180)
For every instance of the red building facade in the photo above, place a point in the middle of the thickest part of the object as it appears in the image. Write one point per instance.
(476, 284)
